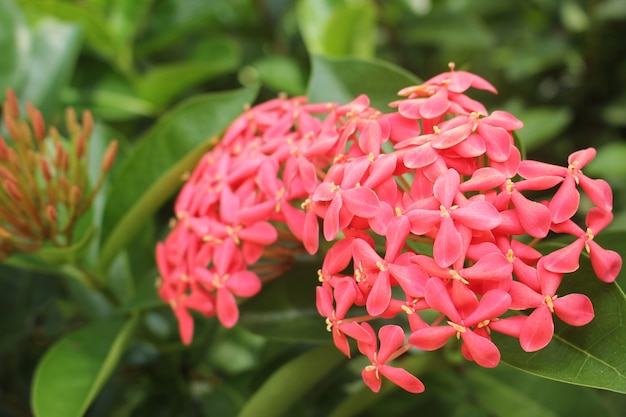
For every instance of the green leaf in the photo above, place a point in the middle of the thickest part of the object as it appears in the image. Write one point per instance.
(91, 20)
(290, 382)
(591, 355)
(15, 44)
(285, 310)
(609, 163)
(507, 392)
(344, 79)
(73, 371)
(55, 50)
(541, 124)
(152, 173)
(163, 83)
(338, 27)
(282, 74)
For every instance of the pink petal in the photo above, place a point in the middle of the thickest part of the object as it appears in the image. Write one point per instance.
(227, 310)
(564, 260)
(438, 298)
(523, 297)
(244, 283)
(582, 157)
(533, 169)
(448, 243)
(534, 217)
(565, 202)
(324, 301)
(493, 304)
(371, 379)
(431, 338)
(483, 351)
(185, 324)
(493, 267)
(361, 201)
(498, 141)
(402, 378)
(446, 187)
(607, 264)
(380, 295)
(262, 233)
(436, 105)
(483, 179)
(598, 191)
(448, 138)
(391, 339)
(420, 156)
(574, 309)
(538, 330)
(479, 215)
(331, 219)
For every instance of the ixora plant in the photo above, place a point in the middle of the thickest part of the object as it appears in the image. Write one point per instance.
(400, 229)
(422, 216)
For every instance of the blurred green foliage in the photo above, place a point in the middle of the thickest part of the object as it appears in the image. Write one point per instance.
(559, 65)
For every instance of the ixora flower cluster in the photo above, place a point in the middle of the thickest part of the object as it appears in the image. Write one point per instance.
(424, 207)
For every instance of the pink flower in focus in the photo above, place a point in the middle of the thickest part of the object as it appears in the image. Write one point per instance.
(392, 339)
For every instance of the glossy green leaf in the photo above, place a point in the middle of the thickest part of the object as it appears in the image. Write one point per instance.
(163, 83)
(15, 40)
(73, 371)
(152, 173)
(451, 30)
(54, 53)
(285, 310)
(281, 74)
(292, 381)
(591, 355)
(338, 27)
(91, 20)
(507, 392)
(609, 163)
(541, 124)
(344, 79)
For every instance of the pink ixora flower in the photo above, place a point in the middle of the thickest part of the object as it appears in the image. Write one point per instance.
(462, 319)
(392, 342)
(537, 330)
(606, 263)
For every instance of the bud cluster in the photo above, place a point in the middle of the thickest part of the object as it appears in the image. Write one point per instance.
(427, 211)
(43, 178)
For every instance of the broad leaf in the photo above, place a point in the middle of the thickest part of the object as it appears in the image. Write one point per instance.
(338, 27)
(344, 79)
(97, 32)
(289, 383)
(152, 173)
(55, 50)
(73, 371)
(15, 46)
(163, 83)
(285, 308)
(591, 355)
(505, 391)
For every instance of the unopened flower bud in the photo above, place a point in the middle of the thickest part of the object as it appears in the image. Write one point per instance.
(12, 190)
(71, 122)
(109, 156)
(75, 195)
(45, 168)
(51, 214)
(87, 124)
(36, 121)
(11, 107)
